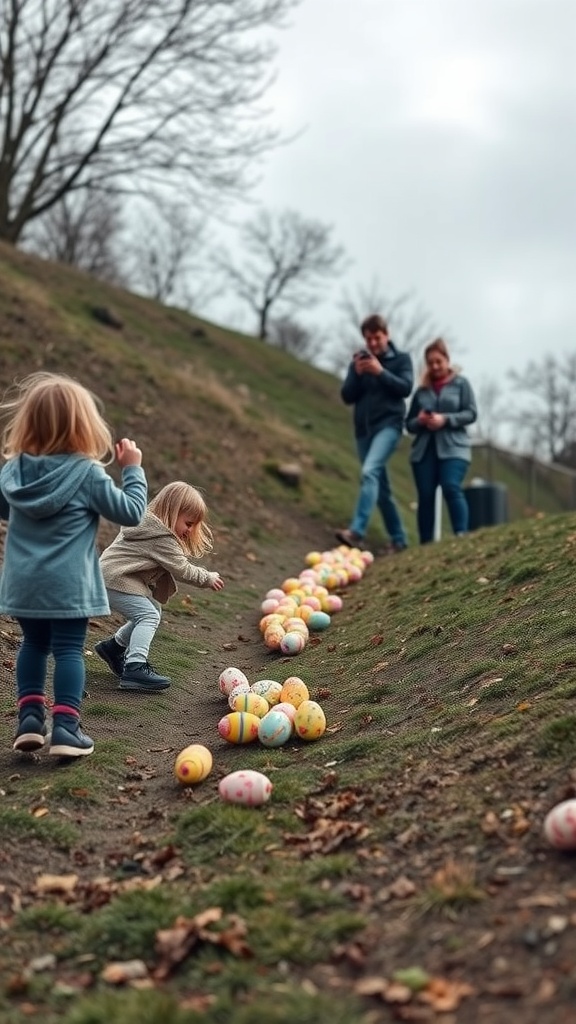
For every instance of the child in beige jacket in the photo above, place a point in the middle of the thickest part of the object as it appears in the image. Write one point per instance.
(140, 569)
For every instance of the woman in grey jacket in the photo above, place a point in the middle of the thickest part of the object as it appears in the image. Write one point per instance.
(441, 408)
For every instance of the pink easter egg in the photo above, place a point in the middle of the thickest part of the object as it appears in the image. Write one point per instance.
(230, 678)
(269, 605)
(246, 787)
(560, 825)
(275, 593)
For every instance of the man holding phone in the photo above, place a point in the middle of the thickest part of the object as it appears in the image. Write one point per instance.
(378, 382)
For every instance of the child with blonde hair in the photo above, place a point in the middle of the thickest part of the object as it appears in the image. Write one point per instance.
(53, 489)
(140, 569)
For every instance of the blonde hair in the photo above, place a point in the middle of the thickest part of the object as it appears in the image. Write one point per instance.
(438, 345)
(178, 499)
(52, 414)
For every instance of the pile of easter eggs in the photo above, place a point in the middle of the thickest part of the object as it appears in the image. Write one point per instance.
(268, 711)
(304, 604)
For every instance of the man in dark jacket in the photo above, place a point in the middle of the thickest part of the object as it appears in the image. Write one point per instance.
(378, 381)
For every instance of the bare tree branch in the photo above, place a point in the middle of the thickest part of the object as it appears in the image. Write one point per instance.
(292, 258)
(130, 94)
(545, 419)
(82, 230)
(411, 325)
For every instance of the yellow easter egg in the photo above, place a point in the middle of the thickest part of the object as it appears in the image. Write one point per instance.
(273, 636)
(251, 702)
(193, 764)
(309, 721)
(267, 620)
(290, 584)
(294, 691)
(239, 727)
(313, 557)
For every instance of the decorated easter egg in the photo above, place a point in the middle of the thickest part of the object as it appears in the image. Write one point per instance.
(367, 557)
(318, 621)
(293, 643)
(295, 623)
(267, 688)
(268, 620)
(313, 602)
(273, 636)
(313, 557)
(274, 729)
(276, 593)
(239, 727)
(239, 688)
(245, 787)
(193, 764)
(333, 604)
(560, 825)
(294, 691)
(230, 678)
(251, 702)
(269, 605)
(309, 721)
(287, 709)
(290, 584)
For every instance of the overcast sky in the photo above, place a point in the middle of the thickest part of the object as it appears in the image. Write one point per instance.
(439, 138)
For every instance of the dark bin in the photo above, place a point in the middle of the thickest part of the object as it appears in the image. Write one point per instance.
(487, 504)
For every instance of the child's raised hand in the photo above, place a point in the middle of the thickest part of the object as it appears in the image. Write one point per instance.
(217, 583)
(127, 453)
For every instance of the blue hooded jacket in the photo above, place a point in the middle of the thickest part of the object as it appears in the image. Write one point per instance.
(53, 504)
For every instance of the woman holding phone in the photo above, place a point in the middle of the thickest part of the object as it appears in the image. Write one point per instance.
(441, 409)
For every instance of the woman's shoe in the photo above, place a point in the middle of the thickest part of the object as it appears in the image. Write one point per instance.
(349, 538)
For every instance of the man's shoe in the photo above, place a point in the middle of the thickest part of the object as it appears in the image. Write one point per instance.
(31, 730)
(67, 739)
(349, 538)
(139, 675)
(112, 653)
(392, 549)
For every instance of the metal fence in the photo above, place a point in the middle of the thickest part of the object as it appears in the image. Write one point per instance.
(541, 486)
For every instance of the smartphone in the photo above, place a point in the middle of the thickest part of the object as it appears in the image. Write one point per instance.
(364, 354)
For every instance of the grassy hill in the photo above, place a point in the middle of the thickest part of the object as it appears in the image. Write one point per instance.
(399, 872)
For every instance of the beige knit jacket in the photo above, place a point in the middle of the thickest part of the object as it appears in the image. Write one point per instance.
(147, 560)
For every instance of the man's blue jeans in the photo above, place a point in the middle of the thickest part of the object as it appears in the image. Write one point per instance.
(430, 473)
(374, 453)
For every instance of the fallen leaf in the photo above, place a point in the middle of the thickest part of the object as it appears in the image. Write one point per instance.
(56, 883)
(119, 973)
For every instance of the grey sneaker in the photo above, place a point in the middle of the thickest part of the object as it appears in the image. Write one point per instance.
(112, 653)
(139, 675)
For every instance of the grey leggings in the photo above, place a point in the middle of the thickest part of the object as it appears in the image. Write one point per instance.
(143, 615)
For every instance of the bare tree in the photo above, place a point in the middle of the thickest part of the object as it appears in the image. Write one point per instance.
(493, 410)
(411, 325)
(293, 337)
(545, 418)
(82, 230)
(127, 95)
(164, 254)
(288, 259)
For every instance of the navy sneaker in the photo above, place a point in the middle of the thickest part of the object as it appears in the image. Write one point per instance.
(112, 653)
(67, 739)
(31, 731)
(139, 675)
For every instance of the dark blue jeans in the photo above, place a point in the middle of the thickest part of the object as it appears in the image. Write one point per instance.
(64, 639)
(430, 473)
